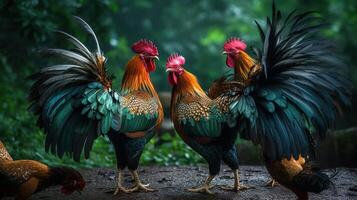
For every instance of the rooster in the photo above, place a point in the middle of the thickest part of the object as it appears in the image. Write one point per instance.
(22, 178)
(291, 91)
(76, 103)
(202, 123)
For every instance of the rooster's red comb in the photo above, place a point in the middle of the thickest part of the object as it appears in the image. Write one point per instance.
(175, 60)
(234, 44)
(145, 46)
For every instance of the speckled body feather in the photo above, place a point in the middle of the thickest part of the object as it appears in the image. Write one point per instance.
(4, 155)
(22, 178)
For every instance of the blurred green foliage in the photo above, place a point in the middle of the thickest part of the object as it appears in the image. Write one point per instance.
(196, 29)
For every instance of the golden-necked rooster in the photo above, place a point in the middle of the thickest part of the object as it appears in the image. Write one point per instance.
(202, 123)
(22, 178)
(291, 91)
(76, 103)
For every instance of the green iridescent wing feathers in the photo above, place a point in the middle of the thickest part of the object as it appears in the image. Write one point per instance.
(299, 91)
(74, 101)
(245, 106)
(102, 105)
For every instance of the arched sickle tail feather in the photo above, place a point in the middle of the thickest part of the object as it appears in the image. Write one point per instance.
(73, 98)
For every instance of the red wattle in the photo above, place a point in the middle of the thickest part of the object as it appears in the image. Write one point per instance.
(172, 78)
(230, 61)
(150, 65)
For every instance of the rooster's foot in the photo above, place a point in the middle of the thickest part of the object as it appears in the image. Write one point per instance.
(205, 188)
(139, 186)
(272, 183)
(121, 189)
(236, 188)
(202, 189)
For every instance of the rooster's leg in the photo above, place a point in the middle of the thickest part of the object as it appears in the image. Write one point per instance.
(120, 187)
(272, 183)
(205, 188)
(237, 186)
(138, 184)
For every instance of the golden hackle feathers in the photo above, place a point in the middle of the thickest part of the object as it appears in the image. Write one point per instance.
(244, 65)
(187, 87)
(222, 86)
(188, 84)
(137, 78)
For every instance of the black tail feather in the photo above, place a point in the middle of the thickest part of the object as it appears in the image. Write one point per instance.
(310, 181)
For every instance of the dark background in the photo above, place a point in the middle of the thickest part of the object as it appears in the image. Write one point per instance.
(197, 29)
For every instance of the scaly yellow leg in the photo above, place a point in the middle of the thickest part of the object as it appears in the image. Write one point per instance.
(237, 186)
(138, 184)
(205, 188)
(272, 183)
(120, 187)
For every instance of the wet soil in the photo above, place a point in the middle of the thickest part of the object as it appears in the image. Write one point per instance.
(171, 183)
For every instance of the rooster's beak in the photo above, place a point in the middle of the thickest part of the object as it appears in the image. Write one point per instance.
(169, 70)
(156, 57)
(224, 52)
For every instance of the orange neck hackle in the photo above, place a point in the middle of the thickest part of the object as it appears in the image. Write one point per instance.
(243, 66)
(136, 77)
(187, 84)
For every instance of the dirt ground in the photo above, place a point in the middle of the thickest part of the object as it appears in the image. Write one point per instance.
(171, 183)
